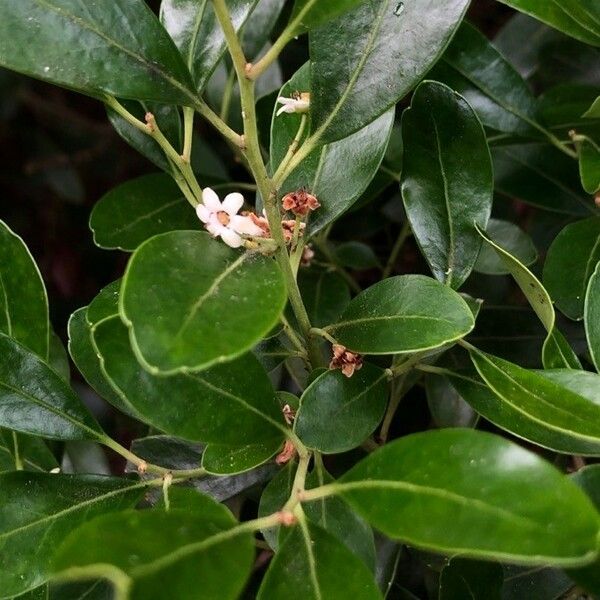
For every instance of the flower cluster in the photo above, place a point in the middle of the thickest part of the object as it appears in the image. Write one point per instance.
(347, 361)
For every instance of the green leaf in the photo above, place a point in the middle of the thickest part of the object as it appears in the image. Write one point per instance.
(537, 583)
(570, 263)
(325, 295)
(447, 180)
(23, 300)
(154, 554)
(592, 316)
(308, 14)
(168, 120)
(37, 511)
(356, 256)
(195, 30)
(191, 302)
(34, 399)
(19, 450)
(462, 491)
(58, 358)
(257, 29)
(337, 173)
(139, 209)
(594, 110)
(589, 166)
(365, 61)
(462, 578)
(556, 352)
(405, 314)
(355, 405)
(541, 176)
(547, 408)
(490, 84)
(117, 48)
(513, 239)
(447, 406)
(577, 19)
(232, 404)
(220, 459)
(322, 568)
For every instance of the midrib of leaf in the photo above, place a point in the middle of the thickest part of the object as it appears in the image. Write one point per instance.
(210, 291)
(573, 414)
(450, 271)
(589, 267)
(387, 318)
(86, 503)
(363, 392)
(312, 563)
(357, 72)
(137, 57)
(195, 33)
(19, 392)
(6, 311)
(575, 18)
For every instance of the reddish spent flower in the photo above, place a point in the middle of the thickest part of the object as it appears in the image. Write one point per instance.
(300, 202)
(347, 361)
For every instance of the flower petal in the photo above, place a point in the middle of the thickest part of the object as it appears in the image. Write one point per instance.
(231, 238)
(245, 225)
(232, 203)
(203, 213)
(211, 200)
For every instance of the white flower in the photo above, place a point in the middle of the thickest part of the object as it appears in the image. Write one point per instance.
(298, 103)
(221, 218)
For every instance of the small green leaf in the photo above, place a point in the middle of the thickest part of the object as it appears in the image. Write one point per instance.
(461, 491)
(58, 358)
(338, 413)
(337, 173)
(500, 97)
(580, 20)
(447, 180)
(232, 404)
(154, 554)
(462, 578)
(191, 302)
(322, 568)
(19, 450)
(570, 263)
(136, 210)
(405, 314)
(448, 408)
(589, 166)
(556, 352)
(356, 256)
(34, 399)
(513, 239)
(37, 511)
(195, 30)
(363, 62)
(117, 48)
(23, 300)
(592, 316)
(308, 14)
(325, 295)
(594, 110)
(220, 459)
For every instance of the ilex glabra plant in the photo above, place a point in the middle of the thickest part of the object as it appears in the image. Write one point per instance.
(261, 333)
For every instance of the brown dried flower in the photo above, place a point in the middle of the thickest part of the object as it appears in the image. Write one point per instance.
(347, 361)
(307, 255)
(288, 452)
(300, 202)
(288, 229)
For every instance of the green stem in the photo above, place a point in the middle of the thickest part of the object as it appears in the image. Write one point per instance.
(322, 333)
(272, 54)
(16, 453)
(402, 237)
(205, 111)
(298, 484)
(292, 149)
(392, 408)
(188, 133)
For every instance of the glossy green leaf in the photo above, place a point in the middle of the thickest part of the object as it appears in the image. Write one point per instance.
(257, 29)
(322, 568)
(85, 357)
(337, 173)
(592, 316)
(23, 300)
(577, 19)
(589, 166)
(513, 239)
(136, 210)
(448, 408)
(325, 295)
(34, 399)
(534, 583)
(570, 263)
(220, 459)
(356, 256)
(58, 358)
(541, 176)
(18, 450)
(191, 302)
(365, 61)
(461, 491)
(475, 69)
(447, 181)
(308, 14)
(117, 48)
(546, 407)
(37, 511)
(154, 554)
(594, 110)
(195, 29)
(167, 118)
(405, 314)
(462, 578)
(556, 352)
(355, 405)
(231, 404)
